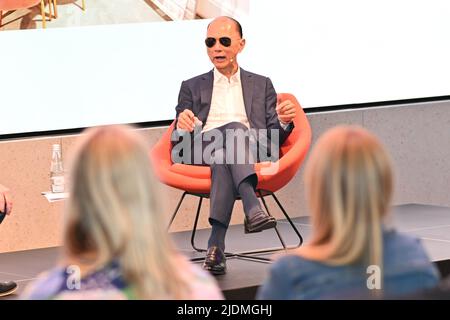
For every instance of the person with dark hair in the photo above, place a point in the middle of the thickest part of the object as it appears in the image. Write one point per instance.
(6, 288)
(229, 99)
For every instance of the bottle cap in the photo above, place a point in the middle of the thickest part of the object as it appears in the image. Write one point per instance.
(56, 147)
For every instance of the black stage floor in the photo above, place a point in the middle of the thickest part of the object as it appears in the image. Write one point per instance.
(430, 223)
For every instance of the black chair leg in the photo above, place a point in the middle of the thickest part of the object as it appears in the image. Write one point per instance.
(268, 212)
(248, 254)
(243, 254)
(195, 222)
(176, 210)
(290, 221)
(194, 229)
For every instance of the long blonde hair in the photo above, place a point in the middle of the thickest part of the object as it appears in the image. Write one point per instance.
(349, 185)
(115, 212)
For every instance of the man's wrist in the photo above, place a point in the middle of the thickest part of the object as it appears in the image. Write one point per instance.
(284, 125)
(182, 132)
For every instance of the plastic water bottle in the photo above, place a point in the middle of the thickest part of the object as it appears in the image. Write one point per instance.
(57, 170)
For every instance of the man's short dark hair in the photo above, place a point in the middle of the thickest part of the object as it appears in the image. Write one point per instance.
(238, 25)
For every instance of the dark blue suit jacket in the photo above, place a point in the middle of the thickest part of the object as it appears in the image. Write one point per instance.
(260, 100)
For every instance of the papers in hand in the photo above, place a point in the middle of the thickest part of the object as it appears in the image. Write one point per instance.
(52, 197)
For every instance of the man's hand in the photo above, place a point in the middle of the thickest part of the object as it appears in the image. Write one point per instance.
(187, 120)
(286, 111)
(5, 199)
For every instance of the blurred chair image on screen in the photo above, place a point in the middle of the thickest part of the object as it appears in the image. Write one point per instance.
(83, 5)
(10, 5)
(196, 180)
(55, 7)
(54, 3)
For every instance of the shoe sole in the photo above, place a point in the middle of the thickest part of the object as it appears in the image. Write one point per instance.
(267, 225)
(216, 272)
(7, 293)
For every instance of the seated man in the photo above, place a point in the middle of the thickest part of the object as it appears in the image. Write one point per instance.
(9, 287)
(229, 99)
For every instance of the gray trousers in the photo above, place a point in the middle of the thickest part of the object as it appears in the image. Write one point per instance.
(225, 176)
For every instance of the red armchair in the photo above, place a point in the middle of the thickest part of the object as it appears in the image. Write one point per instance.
(196, 180)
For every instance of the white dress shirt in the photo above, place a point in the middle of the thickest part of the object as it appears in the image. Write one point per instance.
(227, 102)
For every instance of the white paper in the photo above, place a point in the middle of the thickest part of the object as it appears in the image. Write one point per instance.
(52, 197)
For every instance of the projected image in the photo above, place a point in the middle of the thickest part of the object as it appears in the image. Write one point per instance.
(198, 9)
(126, 64)
(19, 15)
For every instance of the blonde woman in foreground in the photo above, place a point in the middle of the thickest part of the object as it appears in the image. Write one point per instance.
(116, 245)
(352, 253)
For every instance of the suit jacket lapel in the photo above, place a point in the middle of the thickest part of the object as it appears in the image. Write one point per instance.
(247, 91)
(206, 89)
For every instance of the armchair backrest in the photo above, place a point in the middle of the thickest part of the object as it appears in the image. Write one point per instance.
(197, 178)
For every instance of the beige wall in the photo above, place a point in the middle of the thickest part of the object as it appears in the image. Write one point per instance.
(416, 135)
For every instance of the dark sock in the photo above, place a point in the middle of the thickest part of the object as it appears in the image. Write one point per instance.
(249, 199)
(218, 233)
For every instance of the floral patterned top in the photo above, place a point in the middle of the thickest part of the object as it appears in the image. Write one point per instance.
(108, 283)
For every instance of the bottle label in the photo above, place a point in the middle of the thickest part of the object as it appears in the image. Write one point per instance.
(58, 184)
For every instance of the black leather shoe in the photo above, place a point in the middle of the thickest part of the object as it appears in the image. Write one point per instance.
(215, 261)
(7, 288)
(259, 222)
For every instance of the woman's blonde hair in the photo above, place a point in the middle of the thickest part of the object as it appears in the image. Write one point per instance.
(349, 186)
(115, 212)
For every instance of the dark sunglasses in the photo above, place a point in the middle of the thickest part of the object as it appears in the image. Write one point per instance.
(225, 41)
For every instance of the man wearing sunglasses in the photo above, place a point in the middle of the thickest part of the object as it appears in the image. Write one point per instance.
(6, 288)
(230, 98)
